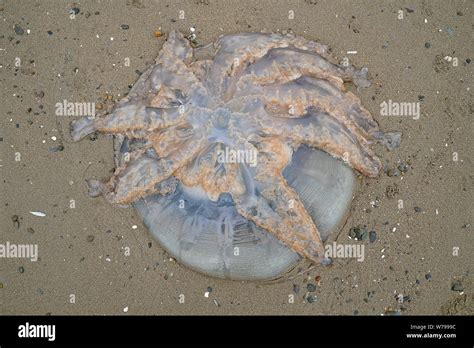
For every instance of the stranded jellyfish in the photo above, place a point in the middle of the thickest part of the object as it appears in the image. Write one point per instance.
(241, 164)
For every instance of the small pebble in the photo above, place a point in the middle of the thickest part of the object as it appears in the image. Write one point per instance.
(468, 61)
(372, 236)
(311, 287)
(403, 167)
(393, 172)
(418, 209)
(125, 310)
(90, 238)
(296, 288)
(74, 10)
(310, 298)
(30, 230)
(15, 221)
(427, 45)
(50, 32)
(457, 286)
(19, 30)
(124, 27)
(56, 148)
(428, 277)
(359, 233)
(21, 269)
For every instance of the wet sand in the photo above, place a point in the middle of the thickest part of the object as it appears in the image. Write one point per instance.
(421, 259)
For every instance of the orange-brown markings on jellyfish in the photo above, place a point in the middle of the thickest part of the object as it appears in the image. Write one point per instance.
(276, 101)
(288, 220)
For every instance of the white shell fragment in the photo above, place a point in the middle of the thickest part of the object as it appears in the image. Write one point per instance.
(38, 213)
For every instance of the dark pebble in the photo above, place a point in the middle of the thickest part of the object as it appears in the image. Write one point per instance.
(50, 32)
(372, 236)
(58, 148)
(364, 236)
(468, 61)
(409, 9)
(428, 277)
(393, 172)
(418, 209)
(296, 289)
(311, 287)
(16, 221)
(19, 30)
(30, 230)
(459, 13)
(90, 238)
(124, 26)
(21, 269)
(74, 10)
(421, 97)
(360, 233)
(427, 45)
(209, 289)
(457, 286)
(150, 245)
(310, 298)
(40, 94)
(403, 168)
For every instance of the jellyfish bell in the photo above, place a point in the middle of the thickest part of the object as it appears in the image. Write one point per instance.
(211, 237)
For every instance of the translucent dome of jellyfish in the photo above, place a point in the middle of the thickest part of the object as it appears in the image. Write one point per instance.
(240, 165)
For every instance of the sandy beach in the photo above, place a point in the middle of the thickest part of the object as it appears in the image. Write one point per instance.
(419, 258)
